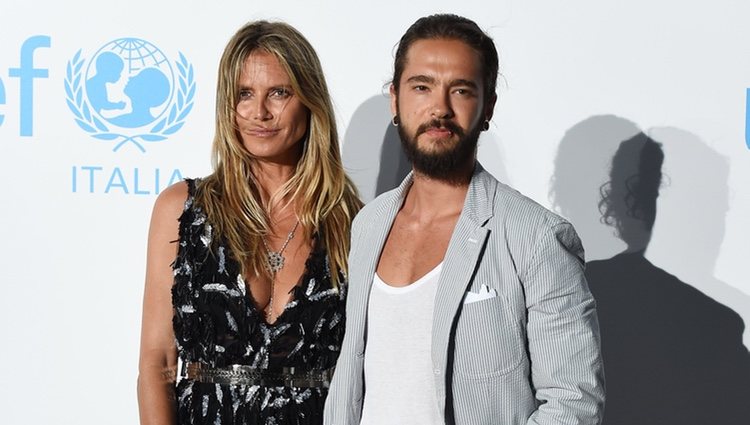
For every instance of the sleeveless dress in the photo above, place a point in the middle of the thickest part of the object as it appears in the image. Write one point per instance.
(217, 323)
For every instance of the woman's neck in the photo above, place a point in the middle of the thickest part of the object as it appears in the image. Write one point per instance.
(270, 178)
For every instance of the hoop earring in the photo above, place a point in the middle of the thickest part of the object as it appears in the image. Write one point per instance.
(486, 125)
(394, 121)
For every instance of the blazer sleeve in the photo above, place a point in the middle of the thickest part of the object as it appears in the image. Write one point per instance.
(342, 403)
(563, 332)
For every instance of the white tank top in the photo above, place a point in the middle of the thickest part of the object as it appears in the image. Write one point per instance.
(399, 381)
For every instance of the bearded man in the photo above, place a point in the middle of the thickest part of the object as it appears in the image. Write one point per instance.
(467, 301)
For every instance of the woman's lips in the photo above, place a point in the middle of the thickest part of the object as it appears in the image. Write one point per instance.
(262, 132)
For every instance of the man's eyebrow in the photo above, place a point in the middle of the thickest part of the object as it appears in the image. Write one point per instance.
(421, 79)
(464, 82)
(431, 80)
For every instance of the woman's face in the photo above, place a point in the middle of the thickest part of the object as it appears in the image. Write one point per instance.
(271, 119)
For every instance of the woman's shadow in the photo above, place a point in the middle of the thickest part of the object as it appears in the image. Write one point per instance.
(672, 355)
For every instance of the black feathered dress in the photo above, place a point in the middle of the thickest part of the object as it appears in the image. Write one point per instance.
(217, 323)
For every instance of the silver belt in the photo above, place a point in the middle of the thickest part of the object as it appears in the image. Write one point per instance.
(247, 375)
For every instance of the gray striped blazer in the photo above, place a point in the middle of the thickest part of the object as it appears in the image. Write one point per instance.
(528, 355)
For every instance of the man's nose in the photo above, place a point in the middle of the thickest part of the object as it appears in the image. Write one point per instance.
(441, 107)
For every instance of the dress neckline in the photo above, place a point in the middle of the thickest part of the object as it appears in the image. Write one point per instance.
(298, 293)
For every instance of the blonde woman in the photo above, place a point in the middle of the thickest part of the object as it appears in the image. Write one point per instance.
(245, 276)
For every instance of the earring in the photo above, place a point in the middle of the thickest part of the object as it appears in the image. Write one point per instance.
(486, 125)
(394, 121)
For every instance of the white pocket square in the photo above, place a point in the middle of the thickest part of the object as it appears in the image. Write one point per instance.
(485, 293)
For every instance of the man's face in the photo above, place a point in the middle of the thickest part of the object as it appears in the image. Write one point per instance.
(440, 106)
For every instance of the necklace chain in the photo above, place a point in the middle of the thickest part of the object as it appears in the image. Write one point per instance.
(274, 263)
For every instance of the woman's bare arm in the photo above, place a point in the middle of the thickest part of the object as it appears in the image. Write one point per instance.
(158, 354)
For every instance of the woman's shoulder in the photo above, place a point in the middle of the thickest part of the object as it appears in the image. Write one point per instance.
(173, 201)
(173, 198)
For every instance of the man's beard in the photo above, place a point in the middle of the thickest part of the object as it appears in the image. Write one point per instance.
(444, 163)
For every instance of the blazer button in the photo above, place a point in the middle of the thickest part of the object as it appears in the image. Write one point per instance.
(437, 372)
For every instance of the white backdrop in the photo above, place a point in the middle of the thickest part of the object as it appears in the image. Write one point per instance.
(72, 261)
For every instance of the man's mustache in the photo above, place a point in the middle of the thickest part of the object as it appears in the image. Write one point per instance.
(437, 124)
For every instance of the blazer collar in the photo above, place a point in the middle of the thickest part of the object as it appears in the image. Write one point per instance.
(478, 205)
(480, 198)
(477, 209)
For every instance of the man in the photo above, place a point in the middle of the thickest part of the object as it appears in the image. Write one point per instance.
(467, 301)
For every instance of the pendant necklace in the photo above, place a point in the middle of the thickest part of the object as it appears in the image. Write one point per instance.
(274, 263)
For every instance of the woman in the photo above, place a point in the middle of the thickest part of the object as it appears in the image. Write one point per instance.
(245, 268)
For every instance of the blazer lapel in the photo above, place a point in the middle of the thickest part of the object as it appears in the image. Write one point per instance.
(460, 262)
(374, 236)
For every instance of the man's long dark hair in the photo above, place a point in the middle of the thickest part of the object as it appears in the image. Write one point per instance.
(450, 27)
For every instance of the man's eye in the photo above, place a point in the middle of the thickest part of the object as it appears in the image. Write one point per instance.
(420, 88)
(466, 92)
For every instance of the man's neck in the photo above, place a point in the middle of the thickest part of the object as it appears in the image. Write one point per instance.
(431, 199)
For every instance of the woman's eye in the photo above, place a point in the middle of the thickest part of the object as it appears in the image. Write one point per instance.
(280, 93)
(245, 94)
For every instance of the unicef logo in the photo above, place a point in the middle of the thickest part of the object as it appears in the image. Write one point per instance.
(129, 94)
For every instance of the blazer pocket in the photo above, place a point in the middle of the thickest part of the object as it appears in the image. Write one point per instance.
(488, 341)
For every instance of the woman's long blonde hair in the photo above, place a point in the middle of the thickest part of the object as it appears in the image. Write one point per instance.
(324, 198)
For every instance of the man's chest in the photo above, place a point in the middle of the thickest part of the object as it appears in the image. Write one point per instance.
(412, 249)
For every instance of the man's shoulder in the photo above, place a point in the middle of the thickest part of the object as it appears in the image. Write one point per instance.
(372, 208)
(514, 208)
(526, 226)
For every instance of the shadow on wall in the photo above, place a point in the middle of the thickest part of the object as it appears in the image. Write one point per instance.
(491, 155)
(581, 166)
(394, 165)
(672, 355)
(372, 152)
(693, 206)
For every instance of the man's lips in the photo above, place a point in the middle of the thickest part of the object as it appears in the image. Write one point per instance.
(438, 132)
(439, 129)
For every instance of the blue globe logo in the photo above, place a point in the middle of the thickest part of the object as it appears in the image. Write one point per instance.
(129, 93)
(148, 81)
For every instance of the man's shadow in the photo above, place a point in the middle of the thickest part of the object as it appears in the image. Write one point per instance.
(372, 153)
(672, 355)
(373, 157)
(695, 172)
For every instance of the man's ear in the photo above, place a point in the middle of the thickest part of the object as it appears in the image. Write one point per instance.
(489, 108)
(394, 100)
